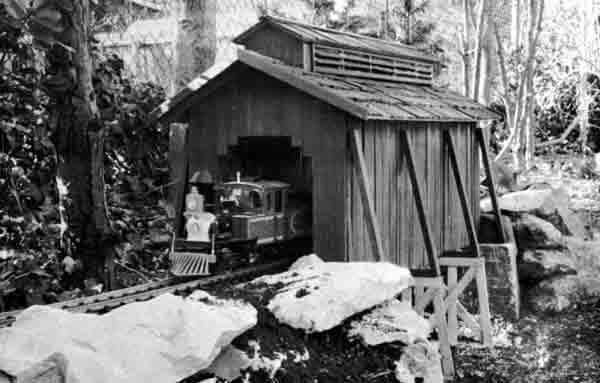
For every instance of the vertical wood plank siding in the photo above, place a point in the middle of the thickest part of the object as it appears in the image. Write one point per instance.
(257, 105)
(271, 42)
(393, 194)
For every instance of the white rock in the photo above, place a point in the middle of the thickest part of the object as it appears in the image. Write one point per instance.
(394, 321)
(545, 201)
(319, 298)
(165, 339)
(307, 261)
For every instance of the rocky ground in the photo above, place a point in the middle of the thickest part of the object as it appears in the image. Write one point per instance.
(557, 338)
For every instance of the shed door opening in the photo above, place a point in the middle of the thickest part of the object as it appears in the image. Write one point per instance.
(272, 158)
(268, 158)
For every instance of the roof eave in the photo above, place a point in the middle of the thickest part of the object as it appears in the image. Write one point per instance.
(264, 22)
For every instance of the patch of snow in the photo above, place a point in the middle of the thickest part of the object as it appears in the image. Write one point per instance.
(165, 339)
(394, 321)
(316, 299)
(420, 360)
(262, 363)
(300, 357)
(501, 334)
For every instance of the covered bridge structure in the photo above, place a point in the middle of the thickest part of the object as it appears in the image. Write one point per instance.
(391, 162)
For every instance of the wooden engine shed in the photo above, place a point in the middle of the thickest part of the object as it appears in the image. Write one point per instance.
(391, 162)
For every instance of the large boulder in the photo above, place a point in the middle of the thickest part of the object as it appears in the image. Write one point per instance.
(532, 232)
(538, 201)
(165, 339)
(537, 265)
(321, 296)
(549, 204)
(559, 293)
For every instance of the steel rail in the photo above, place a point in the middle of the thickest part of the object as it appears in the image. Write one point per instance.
(107, 301)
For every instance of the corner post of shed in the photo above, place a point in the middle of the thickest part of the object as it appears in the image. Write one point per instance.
(491, 183)
(179, 172)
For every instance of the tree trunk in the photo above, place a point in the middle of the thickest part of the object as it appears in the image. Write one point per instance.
(79, 143)
(587, 47)
(466, 57)
(520, 103)
(487, 67)
(196, 40)
(515, 25)
(482, 19)
(408, 6)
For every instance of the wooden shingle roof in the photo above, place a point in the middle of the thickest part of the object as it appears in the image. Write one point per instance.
(374, 100)
(319, 35)
(367, 100)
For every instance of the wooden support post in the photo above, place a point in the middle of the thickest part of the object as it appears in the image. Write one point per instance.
(484, 306)
(435, 291)
(179, 163)
(442, 329)
(464, 201)
(491, 183)
(476, 270)
(364, 181)
(462, 285)
(408, 152)
(177, 156)
(452, 316)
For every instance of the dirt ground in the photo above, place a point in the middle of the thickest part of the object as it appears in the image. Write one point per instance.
(540, 348)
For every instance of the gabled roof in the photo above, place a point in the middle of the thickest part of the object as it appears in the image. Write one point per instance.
(312, 34)
(367, 100)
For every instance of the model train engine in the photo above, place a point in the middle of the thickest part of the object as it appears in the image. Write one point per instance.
(260, 210)
(247, 218)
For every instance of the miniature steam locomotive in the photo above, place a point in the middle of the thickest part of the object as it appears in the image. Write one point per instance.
(247, 219)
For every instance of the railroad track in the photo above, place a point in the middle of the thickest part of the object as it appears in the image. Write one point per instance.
(107, 301)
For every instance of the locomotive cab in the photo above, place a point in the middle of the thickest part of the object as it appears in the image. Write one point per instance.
(255, 209)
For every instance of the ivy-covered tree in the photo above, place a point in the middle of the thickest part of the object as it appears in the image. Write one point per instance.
(62, 27)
